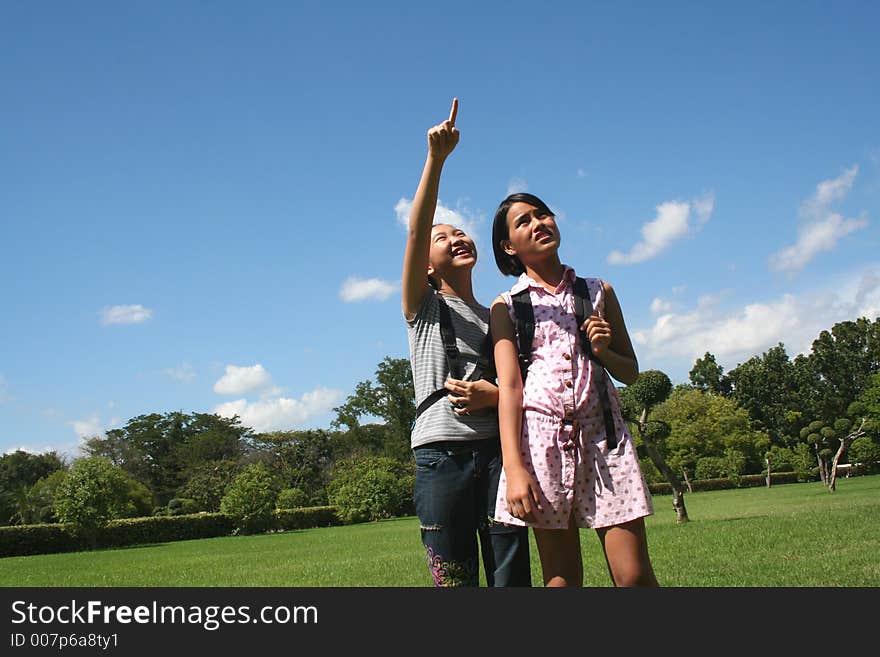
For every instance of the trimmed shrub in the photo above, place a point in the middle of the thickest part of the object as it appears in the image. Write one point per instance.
(162, 529)
(307, 517)
(724, 483)
(23, 540)
(46, 539)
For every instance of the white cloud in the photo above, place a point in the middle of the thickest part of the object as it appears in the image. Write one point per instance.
(659, 306)
(704, 206)
(736, 335)
(821, 229)
(32, 450)
(517, 185)
(281, 413)
(402, 210)
(361, 289)
(813, 239)
(239, 380)
(461, 218)
(183, 373)
(125, 315)
(671, 224)
(866, 288)
(829, 191)
(88, 427)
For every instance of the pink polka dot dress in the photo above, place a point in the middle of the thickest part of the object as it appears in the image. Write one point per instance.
(563, 433)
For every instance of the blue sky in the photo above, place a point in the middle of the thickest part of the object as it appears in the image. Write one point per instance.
(201, 203)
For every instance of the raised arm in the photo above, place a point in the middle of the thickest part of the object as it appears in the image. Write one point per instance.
(442, 139)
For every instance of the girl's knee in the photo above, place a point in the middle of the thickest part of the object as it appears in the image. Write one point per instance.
(634, 575)
(558, 581)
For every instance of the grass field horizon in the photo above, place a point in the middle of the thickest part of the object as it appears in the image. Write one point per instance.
(792, 535)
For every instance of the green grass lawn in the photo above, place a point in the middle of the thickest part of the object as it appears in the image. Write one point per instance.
(790, 535)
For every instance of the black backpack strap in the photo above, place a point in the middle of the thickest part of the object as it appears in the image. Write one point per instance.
(485, 367)
(453, 356)
(429, 401)
(525, 329)
(583, 308)
(447, 334)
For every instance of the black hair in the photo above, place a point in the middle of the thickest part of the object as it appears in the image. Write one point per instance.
(508, 264)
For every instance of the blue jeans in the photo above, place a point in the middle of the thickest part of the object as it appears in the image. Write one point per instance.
(456, 485)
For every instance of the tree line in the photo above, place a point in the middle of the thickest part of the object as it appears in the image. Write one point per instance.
(806, 414)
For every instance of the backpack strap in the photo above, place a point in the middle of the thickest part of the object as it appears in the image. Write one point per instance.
(583, 308)
(525, 329)
(453, 356)
(447, 334)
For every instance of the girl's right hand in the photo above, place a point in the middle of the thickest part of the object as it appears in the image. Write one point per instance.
(443, 137)
(522, 493)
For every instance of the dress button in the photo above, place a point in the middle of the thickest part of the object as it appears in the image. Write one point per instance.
(568, 384)
(566, 356)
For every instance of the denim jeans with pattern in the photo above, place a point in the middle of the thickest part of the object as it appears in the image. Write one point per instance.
(455, 490)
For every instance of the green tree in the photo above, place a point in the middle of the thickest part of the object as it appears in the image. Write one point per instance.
(162, 451)
(94, 492)
(866, 449)
(839, 372)
(870, 397)
(651, 388)
(362, 440)
(866, 452)
(371, 488)
(301, 460)
(766, 387)
(250, 500)
(843, 361)
(19, 470)
(211, 438)
(708, 376)
(37, 503)
(391, 398)
(292, 498)
(708, 425)
(208, 483)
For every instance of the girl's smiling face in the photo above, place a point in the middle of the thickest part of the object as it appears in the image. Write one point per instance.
(532, 233)
(450, 249)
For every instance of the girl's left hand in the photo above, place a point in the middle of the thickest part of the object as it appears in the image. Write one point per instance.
(470, 396)
(599, 332)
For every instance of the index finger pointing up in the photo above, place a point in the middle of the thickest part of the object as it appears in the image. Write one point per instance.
(453, 111)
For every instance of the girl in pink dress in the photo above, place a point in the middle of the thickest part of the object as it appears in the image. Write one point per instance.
(561, 470)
